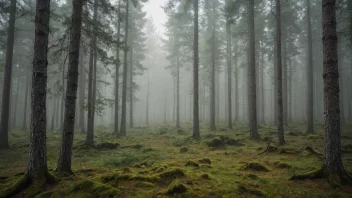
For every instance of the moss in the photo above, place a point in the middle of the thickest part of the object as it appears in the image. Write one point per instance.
(216, 143)
(107, 146)
(205, 176)
(173, 173)
(95, 189)
(233, 142)
(183, 150)
(192, 163)
(250, 190)
(283, 165)
(255, 166)
(252, 176)
(176, 188)
(205, 161)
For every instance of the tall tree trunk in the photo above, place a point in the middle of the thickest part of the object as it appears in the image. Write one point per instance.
(229, 74)
(178, 92)
(14, 116)
(196, 133)
(5, 110)
(262, 86)
(237, 99)
(25, 108)
(93, 42)
(147, 105)
(284, 76)
(37, 163)
(280, 112)
(64, 164)
(275, 83)
(212, 112)
(124, 85)
(332, 160)
(131, 85)
(82, 92)
(52, 126)
(117, 80)
(251, 75)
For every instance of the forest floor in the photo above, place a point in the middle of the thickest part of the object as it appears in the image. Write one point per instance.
(162, 161)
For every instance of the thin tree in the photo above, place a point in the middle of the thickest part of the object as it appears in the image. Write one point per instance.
(196, 133)
(64, 164)
(310, 77)
(251, 75)
(124, 83)
(93, 43)
(5, 110)
(229, 72)
(82, 91)
(212, 72)
(279, 75)
(332, 168)
(117, 80)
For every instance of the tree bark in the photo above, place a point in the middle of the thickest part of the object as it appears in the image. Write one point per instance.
(237, 99)
(178, 92)
(131, 85)
(229, 74)
(14, 116)
(124, 85)
(251, 76)
(82, 92)
(212, 75)
(117, 80)
(52, 127)
(65, 156)
(280, 112)
(332, 158)
(25, 108)
(196, 133)
(93, 43)
(37, 163)
(5, 110)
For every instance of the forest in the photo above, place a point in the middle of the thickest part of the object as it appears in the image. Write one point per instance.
(175, 98)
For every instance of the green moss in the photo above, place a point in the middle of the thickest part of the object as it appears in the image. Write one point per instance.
(183, 150)
(192, 163)
(205, 161)
(93, 188)
(205, 176)
(283, 165)
(250, 190)
(216, 143)
(255, 166)
(176, 188)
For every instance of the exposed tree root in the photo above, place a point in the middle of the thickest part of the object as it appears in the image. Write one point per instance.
(335, 179)
(269, 149)
(284, 151)
(314, 152)
(25, 183)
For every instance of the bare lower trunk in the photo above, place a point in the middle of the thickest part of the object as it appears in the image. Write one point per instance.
(64, 164)
(131, 86)
(82, 93)
(251, 76)
(16, 100)
(279, 75)
(212, 111)
(196, 133)
(124, 85)
(117, 80)
(332, 158)
(229, 75)
(53, 115)
(37, 163)
(5, 109)
(178, 92)
(25, 108)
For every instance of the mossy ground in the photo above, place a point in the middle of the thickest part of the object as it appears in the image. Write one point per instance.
(148, 163)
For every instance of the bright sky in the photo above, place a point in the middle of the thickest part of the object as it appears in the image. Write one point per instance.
(153, 9)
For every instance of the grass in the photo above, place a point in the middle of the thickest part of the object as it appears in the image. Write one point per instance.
(157, 167)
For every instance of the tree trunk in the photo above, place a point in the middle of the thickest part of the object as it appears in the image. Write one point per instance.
(237, 106)
(212, 112)
(5, 110)
(332, 158)
(229, 74)
(64, 164)
(124, 85)
(52, 127)
(131, 85)
(117, 80)
(82, 92)
(93, 42)
(178, 92)
(284, 77)
(25, 108)
(281, 138)
(251, 76)
(196, 133)
(37, 163)
(147, 105)
(16, 100)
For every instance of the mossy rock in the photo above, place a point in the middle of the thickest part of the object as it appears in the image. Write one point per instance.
(255, 166)
(173, 173)
(107, 146)
(176, 188)
(184, 150)
(216, 142)
(283, 165)
(250, 190)
(233, 142)
(192, 163)
(205, 176)
(253, 176)
(205, 161)
(91, 188)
